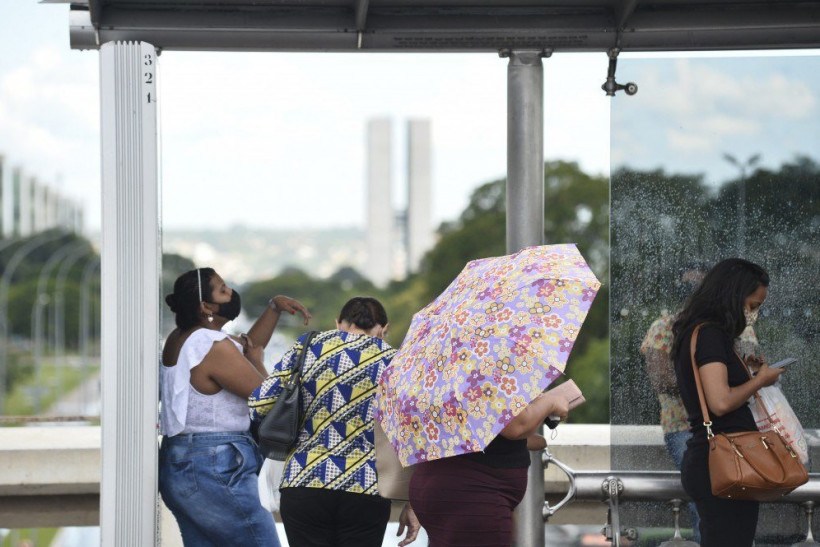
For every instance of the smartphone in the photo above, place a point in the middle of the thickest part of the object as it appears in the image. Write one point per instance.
(783, 363)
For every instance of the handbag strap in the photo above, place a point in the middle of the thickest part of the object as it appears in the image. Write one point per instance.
(296, 373)
(707, 421)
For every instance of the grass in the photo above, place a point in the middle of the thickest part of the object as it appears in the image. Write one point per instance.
(36, 537)
(57, 381)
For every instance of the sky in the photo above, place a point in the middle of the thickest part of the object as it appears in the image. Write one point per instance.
(277, 140)
(251, 138)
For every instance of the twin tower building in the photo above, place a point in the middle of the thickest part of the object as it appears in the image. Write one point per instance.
(398, 239)
(29, 206)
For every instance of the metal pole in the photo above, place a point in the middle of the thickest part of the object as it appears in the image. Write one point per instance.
(85, 319)
(59, 308)
(40, 301)
(525, 227)
(130, 263)
(741, 198)
(8, 242)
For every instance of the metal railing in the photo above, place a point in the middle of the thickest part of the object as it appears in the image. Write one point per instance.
(615, 487)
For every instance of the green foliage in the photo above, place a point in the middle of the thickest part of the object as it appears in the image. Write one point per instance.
(54, 382)
(26, 279)
(589, 370)
(20, 367)
(576, 211)
(324, 298)
(173, 265)
(36, 536)
(663, 223)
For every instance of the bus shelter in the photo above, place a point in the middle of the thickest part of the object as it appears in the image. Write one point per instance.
(131, 34)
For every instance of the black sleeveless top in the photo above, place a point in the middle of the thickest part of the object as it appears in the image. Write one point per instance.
(502, 453)
(714, 345)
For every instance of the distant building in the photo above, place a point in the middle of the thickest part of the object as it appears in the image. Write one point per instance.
(380, 225)
(397, 240)
(28, 206)
(419, 228)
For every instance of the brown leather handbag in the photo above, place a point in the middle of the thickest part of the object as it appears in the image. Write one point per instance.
(749, 465)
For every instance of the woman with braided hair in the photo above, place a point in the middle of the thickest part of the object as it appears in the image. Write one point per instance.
(208, 462)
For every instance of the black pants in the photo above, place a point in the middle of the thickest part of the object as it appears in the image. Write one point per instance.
(723, 522)
(314, 517)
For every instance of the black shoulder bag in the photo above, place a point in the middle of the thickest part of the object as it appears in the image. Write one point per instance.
(279, 429)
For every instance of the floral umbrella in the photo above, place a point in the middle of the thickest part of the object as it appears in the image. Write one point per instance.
(474, 358)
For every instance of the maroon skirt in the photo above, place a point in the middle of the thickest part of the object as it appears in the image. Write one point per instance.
(464, 503)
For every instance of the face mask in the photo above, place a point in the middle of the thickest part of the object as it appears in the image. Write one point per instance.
(230, 310)
(751, 316)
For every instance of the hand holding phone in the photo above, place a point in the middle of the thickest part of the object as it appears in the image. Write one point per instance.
(572, 394)
(783, 362)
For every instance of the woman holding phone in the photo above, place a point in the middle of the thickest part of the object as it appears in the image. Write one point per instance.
(727, 300)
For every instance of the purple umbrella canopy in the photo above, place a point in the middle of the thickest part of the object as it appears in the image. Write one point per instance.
(476, 356)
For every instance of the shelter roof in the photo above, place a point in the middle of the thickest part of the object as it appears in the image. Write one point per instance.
(448, 25)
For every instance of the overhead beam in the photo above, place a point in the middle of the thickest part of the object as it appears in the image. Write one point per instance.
(361, 14)
(379, 28)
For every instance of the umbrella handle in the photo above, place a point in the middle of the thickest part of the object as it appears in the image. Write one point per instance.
(546, 459)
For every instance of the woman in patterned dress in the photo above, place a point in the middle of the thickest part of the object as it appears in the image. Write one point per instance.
(329, 494)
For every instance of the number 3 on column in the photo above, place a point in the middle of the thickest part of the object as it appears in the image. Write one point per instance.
(148, 76)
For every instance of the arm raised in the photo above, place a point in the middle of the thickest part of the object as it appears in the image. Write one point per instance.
(226, 366)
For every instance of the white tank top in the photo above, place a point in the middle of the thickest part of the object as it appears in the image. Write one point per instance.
(183, 409)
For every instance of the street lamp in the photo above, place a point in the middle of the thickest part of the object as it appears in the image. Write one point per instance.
(40, 303)
(59, 305)
(741, 200)
(85, 318)
(5, 281)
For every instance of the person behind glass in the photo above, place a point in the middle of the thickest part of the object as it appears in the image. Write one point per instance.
(469, 499)
(660, 370)
(723, 305)
(208, 462)
(329, 491)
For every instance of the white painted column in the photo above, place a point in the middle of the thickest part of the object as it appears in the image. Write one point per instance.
(130, 293)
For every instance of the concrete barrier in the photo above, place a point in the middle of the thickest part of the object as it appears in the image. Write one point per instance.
(49, 476)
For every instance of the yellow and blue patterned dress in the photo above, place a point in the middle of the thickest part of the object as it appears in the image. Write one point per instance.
(335, 450)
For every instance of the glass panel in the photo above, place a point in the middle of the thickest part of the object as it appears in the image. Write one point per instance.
(713, 158)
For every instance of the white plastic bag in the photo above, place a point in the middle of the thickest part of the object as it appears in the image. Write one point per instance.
(783, 419)
(270, 477)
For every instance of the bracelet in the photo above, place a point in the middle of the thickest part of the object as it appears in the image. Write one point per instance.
(272, 305)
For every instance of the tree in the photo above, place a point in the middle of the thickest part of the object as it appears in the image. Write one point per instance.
(323, 297)
(576, 210)
(662, 222)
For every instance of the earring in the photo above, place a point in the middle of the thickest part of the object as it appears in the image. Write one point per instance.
(210, 318)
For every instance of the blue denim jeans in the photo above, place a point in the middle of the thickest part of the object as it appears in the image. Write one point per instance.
(676, 446)
(209, 482)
